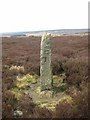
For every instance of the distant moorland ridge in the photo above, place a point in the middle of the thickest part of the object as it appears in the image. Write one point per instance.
(39, 33)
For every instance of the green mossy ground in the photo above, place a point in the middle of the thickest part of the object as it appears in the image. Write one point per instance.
(30, 84)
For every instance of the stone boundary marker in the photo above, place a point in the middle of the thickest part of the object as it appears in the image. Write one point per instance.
(45, 62)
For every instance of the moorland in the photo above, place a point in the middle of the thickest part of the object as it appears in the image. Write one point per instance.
(21, 59)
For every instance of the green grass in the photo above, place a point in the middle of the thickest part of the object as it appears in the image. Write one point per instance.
(23, 84)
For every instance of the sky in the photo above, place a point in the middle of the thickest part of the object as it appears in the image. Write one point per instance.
(35, 15)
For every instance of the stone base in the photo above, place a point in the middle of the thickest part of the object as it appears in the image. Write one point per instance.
(46, 87)
(46, 98)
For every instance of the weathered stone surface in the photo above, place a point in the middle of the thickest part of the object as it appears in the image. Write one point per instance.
(45, 62)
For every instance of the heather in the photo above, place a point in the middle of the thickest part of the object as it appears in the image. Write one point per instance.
(21, 61)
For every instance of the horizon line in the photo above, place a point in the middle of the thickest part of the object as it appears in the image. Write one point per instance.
(45, 30)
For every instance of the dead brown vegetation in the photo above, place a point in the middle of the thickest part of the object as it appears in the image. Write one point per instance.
(69, 56)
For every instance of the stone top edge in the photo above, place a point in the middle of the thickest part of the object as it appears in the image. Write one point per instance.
(45, 36)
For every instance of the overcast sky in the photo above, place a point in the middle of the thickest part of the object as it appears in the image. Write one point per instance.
(34, 15)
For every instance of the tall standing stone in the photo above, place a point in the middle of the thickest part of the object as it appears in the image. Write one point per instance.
(45, 63)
